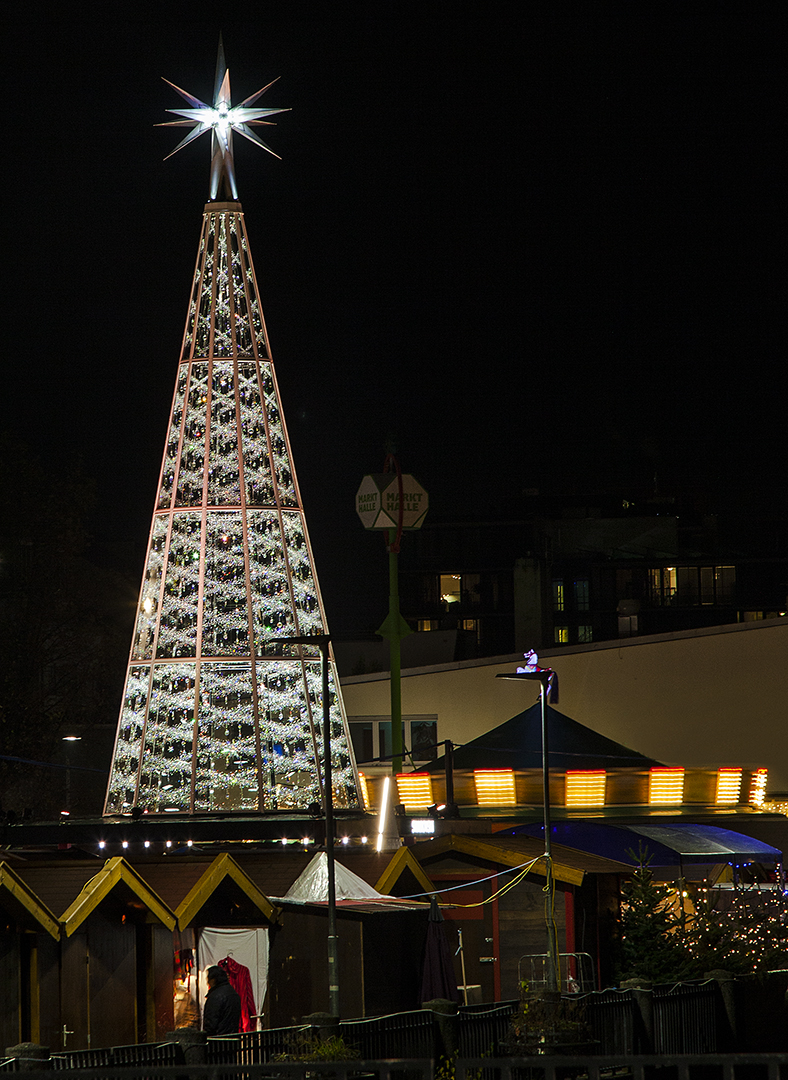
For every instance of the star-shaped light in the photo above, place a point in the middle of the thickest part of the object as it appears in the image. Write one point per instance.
(221, 119)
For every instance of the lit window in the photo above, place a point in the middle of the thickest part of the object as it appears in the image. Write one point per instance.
(758, 787)
(495, 787)
(728, 786)
(427, 624)
(558, 594)
(451, 588)
(585, 787)
(415, 791)
(663, 583)
(665, 786)
(561, 635)
(705, 585)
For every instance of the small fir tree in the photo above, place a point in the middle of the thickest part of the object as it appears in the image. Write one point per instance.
(651, 946)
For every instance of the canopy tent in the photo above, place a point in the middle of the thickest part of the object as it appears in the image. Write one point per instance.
(312, 885)
(666, 844)
(517, 744)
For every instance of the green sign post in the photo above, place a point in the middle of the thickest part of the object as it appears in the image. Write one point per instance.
(393, 501)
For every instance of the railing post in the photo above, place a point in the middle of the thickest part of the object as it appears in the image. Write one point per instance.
(193, 1045)
(447, 1025)
(30, 1056)
(322, 1025)
(726, 981)
(644, 999)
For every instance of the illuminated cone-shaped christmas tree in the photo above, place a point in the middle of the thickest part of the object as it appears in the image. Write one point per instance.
(216, 716)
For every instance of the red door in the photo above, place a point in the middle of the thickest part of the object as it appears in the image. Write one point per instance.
(477, 965)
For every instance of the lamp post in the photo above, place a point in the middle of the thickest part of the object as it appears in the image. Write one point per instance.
(69, 739)
(543, 677)
(323, 641)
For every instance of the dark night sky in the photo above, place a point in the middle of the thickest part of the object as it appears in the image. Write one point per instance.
(536, 250)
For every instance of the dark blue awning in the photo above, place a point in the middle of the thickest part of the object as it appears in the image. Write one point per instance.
(665, 844)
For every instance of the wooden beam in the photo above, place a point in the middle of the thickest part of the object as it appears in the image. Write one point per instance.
(27, 899)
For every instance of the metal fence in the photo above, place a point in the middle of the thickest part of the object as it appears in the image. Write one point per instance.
(615, 1022)
(167, 1053)
(252, 1047)
(410, 1034)
(394, 1069)
(668, 1020)
(607, 1067)
(483, 1029)
(685, 1018)
(628, 1067)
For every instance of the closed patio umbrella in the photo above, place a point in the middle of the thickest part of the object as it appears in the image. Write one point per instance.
(438, 979)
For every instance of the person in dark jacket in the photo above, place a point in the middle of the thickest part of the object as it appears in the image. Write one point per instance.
(221, 1014)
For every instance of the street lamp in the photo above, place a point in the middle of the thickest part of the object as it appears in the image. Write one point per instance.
(69, 739)
(544, 676)
(323, 641)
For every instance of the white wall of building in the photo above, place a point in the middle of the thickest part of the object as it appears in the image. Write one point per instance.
(701, 698)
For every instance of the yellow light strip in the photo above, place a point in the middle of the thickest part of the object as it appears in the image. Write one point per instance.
(728, 786)
(585, 787)
(384, 806)
(665, 786)
(758, 787)
(364, 790)
(415, 791)
(495, 787)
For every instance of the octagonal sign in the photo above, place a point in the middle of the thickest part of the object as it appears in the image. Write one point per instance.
(377, 501)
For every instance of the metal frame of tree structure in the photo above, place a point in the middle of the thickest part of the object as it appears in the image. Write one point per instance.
(215, 716)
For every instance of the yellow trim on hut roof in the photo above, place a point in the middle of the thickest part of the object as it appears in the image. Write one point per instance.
(223, 866)
(27, 899)
(113, 873)
(497, 853)
(403, 859)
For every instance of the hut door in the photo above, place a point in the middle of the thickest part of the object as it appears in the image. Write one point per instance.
(479, 924)
(112, 981)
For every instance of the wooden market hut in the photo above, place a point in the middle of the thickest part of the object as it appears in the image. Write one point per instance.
(29, 933)
(102, 977)
(380, 942)
(89, 957)
(493, 889)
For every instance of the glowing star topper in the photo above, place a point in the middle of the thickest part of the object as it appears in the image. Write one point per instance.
(221, 119)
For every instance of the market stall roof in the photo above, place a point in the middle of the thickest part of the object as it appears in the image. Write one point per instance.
(569, 866)
(312, 884)
(56, 882)
(405, 873)
(223, 875)
(667, 844)
(517, 744)
(22, 904)
(116, 876)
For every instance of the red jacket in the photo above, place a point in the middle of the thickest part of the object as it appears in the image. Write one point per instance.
(241, 982)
